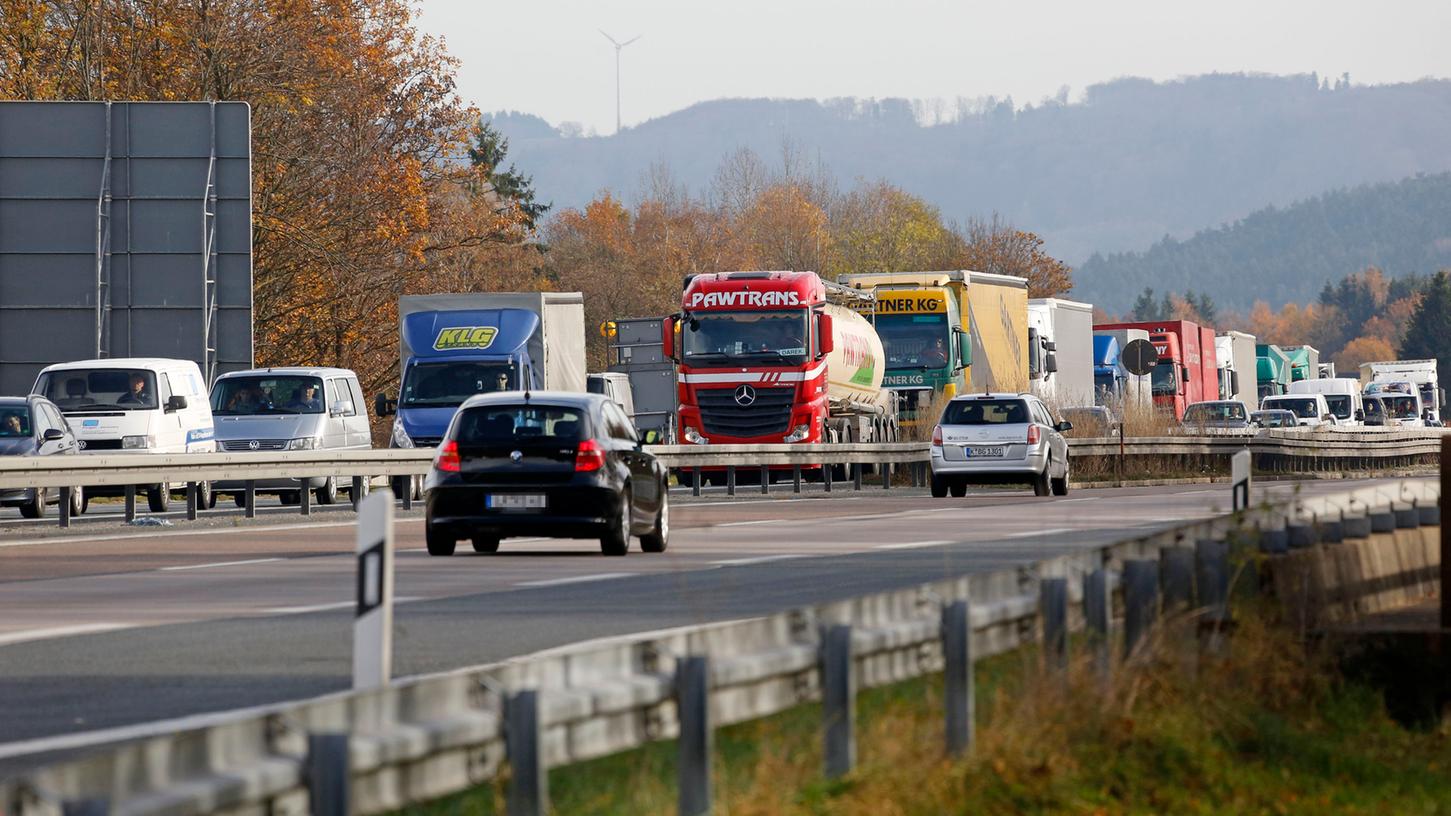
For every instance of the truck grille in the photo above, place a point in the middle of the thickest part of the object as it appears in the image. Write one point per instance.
(769, 415)
(245, 445)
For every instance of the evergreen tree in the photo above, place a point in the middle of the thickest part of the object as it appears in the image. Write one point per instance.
(1429, 333)
(1204, 305)
(1145, 306)
(488, 151)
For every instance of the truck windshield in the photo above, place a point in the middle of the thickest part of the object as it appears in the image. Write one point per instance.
(1166, 379)
(81, 389)
(765, 338)
(914, 341)
(1400, 406)
(447, 385)
(1105, 384)
(1339, 405)
(245, 396)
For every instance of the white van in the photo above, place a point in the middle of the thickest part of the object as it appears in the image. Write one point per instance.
(133, 404)
(299, 408)
(1402, 402)
(1341, 394)
(1310, 409)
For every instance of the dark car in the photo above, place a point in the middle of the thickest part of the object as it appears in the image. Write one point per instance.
(555, 464)
(33, 426)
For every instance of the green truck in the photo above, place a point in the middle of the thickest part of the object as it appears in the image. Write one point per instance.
(1273, 369)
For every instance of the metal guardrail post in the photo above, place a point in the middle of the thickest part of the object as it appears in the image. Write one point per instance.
(1053, 608)
(130, 494)
(838, 700)
(886, 468)
(765, 480)
(65, 507)
(730, 480)
(329, 775)
(795, 478)
(407, 493)
(1176, 575)
(192, 495)
(529, 782)
(304, 499)
(826, 474)
(1211, 572)
(356, 494)
(694, 747)
(86, 807)
(249, 499)
(1097, 618)
(1141, 602)
(856, 476)
(695, 482)
(957, 676)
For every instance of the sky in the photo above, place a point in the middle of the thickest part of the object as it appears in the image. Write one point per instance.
(548, 57)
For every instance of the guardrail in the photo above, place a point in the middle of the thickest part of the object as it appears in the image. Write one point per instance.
(424, 737)
(1301, 451)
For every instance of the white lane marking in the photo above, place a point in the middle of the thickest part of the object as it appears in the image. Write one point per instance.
(301, 610)
(761, 559)
(576, 579)
(61, 631)
(1198, 492)
(910, 545)
(248, 530)
(749, 523)
(1084, 499)
(220, 564)
(1031, 533)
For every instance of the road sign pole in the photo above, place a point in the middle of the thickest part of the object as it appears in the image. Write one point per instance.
(373, 625)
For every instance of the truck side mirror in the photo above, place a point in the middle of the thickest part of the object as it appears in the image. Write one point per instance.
(176, 402)
(667, 336)
(1440, 397)
(964, 348)
(1050, 364)
(1184, 373)
(1233, 383)
(382, 406)
(826, 341)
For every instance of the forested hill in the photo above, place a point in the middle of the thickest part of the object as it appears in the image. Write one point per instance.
(1288, 255)
(1132, 162)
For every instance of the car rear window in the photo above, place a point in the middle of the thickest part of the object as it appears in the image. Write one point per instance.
(508, 424)
(986, 412)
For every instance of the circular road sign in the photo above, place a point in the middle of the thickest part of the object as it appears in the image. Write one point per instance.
(1139, 357)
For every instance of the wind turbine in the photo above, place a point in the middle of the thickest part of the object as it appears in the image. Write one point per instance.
(619, 46)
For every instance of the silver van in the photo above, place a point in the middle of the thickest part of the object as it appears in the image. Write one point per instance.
(278, 409)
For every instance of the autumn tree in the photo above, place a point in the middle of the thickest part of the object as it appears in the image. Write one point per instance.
(1362, 350)
(878, 227)
(998, 247)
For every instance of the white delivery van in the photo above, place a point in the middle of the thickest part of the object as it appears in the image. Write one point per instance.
(1402, 402)
(1341, 394)
(1310, 409)
(133, 404)
(282, 409)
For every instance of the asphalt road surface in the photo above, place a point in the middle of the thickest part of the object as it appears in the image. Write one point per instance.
(123, 626)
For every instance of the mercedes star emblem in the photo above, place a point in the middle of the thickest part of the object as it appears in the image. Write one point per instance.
(516, 456)
(745, 395)
(253, 445)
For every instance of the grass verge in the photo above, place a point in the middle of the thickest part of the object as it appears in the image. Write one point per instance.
(1269, 729)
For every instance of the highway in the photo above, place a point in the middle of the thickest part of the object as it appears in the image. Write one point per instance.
(100, 629)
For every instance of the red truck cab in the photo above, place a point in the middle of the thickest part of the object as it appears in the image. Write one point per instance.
(1187, 371)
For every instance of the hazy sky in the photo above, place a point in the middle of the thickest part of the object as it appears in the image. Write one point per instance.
(547, 57)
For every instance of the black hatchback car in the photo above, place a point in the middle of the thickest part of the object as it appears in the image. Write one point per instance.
(33, 426)
(549, 463)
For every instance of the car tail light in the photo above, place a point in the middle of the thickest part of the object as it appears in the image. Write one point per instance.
(1032, 434)
(590, 457)
(937, 436)
(447, 459)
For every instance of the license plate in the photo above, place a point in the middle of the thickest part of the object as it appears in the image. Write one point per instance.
(983, 452)
(514, 501)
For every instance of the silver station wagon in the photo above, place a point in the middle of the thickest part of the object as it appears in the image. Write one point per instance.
(999, 439)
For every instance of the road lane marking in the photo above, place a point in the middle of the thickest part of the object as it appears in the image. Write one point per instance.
(302, 610)
(911, 545)
(1083, 499)
(760, 559)
(221, 564)
(251, 530)
(749, 523)
(576, 579)
(1031, 533)
(25, 635)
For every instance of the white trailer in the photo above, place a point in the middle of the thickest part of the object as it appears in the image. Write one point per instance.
(1420, 372)
(1060, 340)
(1234, 352)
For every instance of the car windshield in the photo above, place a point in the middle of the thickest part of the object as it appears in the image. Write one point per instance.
(447, 385)
(1214, 412)
(914, 341)
(986, 412)
(1165, 379)
(1305, 408)
(245, 396)
(1339, 405)
(512, 424)
(717, 338)
(81, 389)
(1400, 406)
(15, 422)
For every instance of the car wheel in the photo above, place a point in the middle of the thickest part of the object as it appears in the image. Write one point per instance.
(485, 543)
(958, 488)
(1040, 482)
(439, 542)
(616, 539)
(158, 498)
(85, 503)
(939, 486)
(1060, 486)
(658, 538)
(35, 508)
(328, 493)
(205, 498)
(78, 501)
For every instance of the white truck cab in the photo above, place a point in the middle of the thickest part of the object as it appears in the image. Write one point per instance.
(1311, 410)
(1402, 402)
(132, 404)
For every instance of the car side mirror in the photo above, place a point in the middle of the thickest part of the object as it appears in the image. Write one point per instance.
(175, 402)
(382, 406)
(340, 408)
(52, 434)
(1063, 427)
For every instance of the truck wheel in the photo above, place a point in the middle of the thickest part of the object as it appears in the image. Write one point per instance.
(939, 486)
(658, 538)
(958, 487)
(1040, 482)
(158, 498)
(615, 540)
(484, 543)
(35, 508)
(439, 541)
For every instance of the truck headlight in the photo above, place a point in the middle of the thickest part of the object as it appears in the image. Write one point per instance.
(141, 442)
(401, 439)
(693, 437)
(305, 443)
(797, 434)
